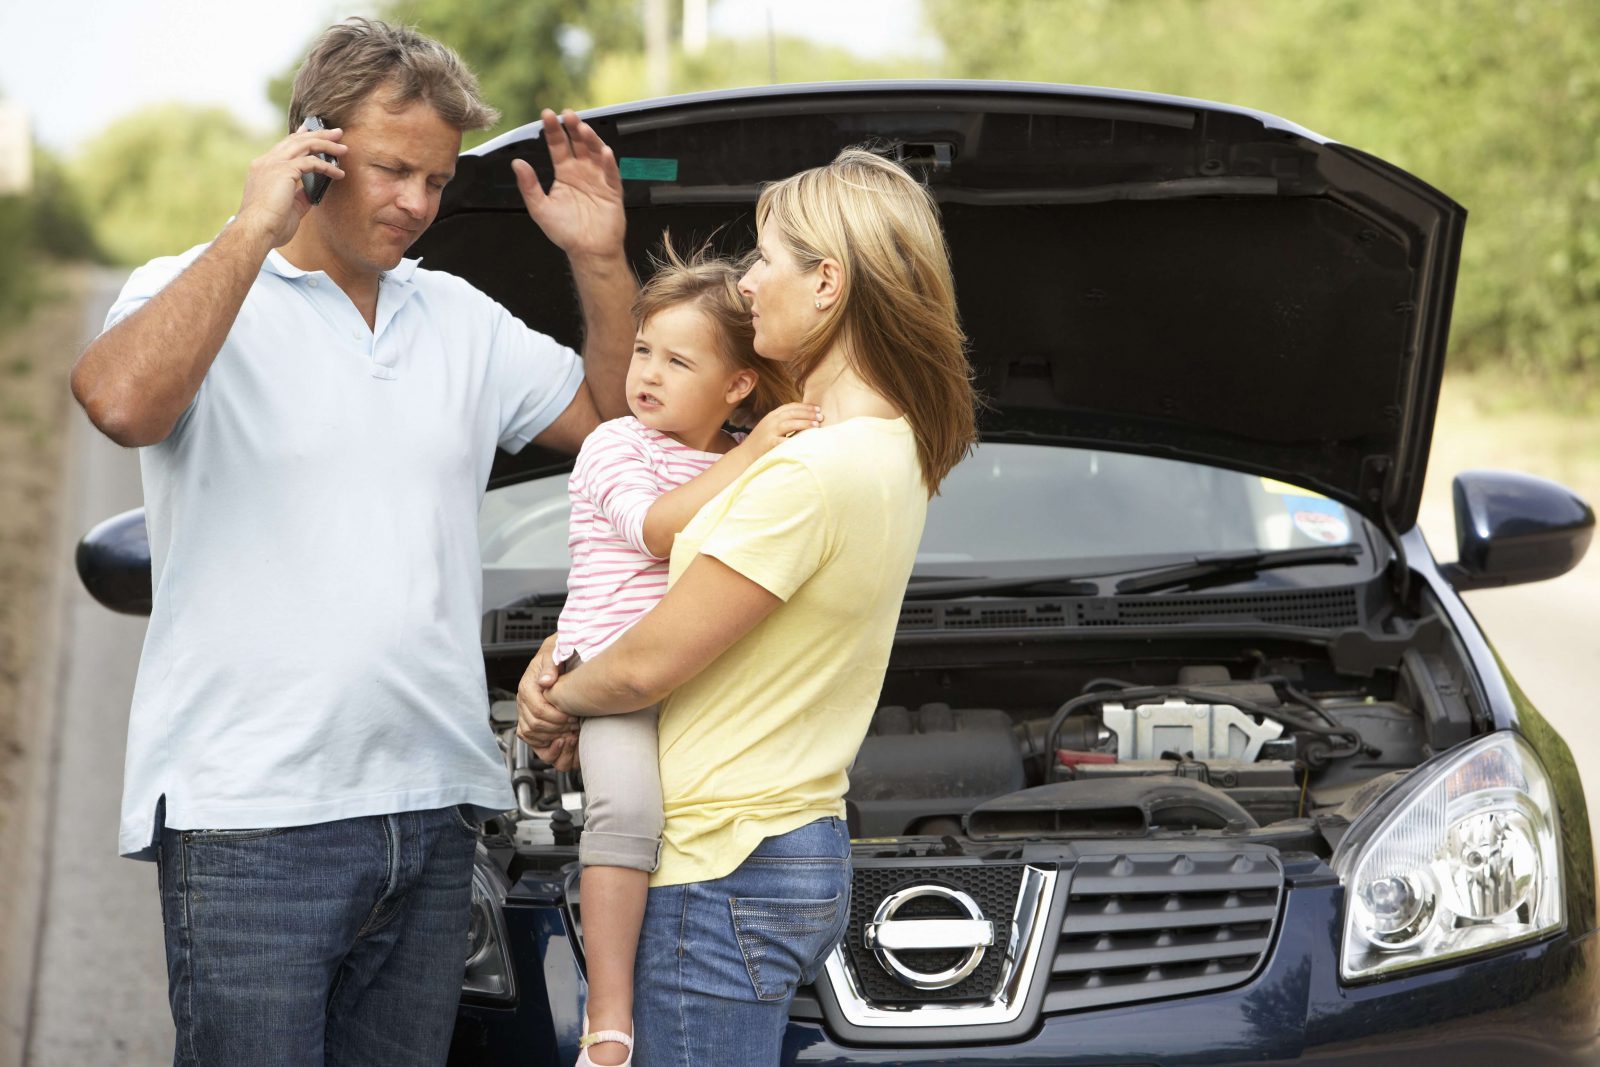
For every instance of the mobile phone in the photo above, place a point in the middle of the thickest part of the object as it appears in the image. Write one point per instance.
(316, 183)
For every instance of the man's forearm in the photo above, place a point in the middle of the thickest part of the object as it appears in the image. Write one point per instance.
(136, 379)
(606, 291)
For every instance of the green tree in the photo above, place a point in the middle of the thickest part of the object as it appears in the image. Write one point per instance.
(151, 193)
(16, 288)
(621, 76)
(59, 224)
(47, 222)
(532, 54)
(1495, 102)
(528, 54)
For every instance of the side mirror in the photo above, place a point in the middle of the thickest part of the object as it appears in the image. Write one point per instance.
(1513, 528)
(114, 563)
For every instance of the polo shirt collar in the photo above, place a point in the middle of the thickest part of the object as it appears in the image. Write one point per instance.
(277, 264)
(280, 266)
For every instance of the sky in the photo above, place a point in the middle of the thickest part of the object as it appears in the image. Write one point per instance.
(75, 67)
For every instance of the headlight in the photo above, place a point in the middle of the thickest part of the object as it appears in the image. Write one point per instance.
(488, 975)
(1461, 859)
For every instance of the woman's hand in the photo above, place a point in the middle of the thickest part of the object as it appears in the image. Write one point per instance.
(552, 734)
(779, 423)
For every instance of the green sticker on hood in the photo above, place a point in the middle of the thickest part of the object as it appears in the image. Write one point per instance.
(641, 169)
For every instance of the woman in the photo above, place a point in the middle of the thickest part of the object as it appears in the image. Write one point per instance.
(774, 636)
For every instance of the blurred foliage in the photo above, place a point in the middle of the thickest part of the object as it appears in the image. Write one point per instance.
(621, 77)
(164, 178)
(60, 223)
(533, 54)
(527, 54)
(1495, 102)
(47, 222)
(16, 289)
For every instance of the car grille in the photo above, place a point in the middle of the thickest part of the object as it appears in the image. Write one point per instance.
(992, 886)
(1145, 925)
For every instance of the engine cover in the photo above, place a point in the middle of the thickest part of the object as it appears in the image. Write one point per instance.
(1209, 731)
(921, 771)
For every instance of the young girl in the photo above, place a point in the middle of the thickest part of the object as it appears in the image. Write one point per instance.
(637, 481)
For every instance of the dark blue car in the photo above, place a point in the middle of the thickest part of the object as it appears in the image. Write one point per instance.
(1189, 751)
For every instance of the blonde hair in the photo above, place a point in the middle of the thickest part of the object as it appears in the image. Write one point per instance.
(896, 310)
(354, 58)
(710, 284)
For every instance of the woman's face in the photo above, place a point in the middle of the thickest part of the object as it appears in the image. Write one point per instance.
(782, 298)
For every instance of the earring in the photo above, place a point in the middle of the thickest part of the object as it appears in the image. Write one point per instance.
(817, 304)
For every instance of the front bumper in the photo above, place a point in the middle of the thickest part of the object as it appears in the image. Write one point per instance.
(1526, 1005)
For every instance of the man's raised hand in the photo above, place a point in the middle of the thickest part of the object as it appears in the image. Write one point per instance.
(582, 212)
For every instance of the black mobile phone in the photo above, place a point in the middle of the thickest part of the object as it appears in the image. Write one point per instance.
(316, 183)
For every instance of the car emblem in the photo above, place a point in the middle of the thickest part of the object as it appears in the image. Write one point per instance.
(886, 936)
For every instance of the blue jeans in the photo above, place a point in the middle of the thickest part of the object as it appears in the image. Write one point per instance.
(719, 961)
(339, 943)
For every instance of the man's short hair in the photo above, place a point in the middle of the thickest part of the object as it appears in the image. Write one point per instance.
(356, 57)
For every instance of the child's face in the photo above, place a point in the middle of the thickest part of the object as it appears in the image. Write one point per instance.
(678, 382)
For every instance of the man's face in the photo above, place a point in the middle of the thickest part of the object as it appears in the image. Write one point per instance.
(397, 165)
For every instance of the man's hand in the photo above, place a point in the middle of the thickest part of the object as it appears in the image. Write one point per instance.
(274, 199)
(551, 734)
(780, 423)
(582, 213)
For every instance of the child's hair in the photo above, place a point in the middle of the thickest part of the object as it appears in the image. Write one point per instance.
(710, 284)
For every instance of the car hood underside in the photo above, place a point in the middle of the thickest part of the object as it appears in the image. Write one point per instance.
(1136, 273)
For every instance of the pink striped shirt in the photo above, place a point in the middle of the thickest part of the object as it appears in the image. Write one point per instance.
(620, 471)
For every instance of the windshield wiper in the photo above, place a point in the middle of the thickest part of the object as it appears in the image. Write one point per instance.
(1039, 584)
(1236, 565)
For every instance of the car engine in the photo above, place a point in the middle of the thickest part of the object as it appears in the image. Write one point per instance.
(1199, 749)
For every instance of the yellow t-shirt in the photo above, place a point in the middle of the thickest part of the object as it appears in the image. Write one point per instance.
(759, 742)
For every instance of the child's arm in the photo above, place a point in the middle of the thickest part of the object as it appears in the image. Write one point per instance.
(673, 509)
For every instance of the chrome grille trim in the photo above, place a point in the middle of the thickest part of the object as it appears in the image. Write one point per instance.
(1024, 938)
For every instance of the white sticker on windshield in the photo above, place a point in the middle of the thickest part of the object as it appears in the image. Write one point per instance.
(1319, 519)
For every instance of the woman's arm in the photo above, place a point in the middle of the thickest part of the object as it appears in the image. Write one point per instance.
(702, 615)
(673, 509)
(699, 619)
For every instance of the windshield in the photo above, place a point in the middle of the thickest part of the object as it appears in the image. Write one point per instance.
(1007, 509)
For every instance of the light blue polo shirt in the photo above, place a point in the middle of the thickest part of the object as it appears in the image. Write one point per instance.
(314, 645)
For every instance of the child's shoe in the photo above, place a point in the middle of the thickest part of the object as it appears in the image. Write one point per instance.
(598, 1036)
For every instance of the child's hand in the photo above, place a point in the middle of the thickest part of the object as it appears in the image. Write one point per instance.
(562, 753)
(780, 423)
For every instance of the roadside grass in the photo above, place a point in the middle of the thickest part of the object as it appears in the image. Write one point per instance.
(36, 352)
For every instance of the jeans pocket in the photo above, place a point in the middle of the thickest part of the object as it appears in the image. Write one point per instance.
(461, 816)
(783, 938)
(195, 837)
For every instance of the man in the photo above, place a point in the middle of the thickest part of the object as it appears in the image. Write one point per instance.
(309, 750)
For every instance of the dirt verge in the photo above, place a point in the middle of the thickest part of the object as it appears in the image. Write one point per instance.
(35, 358)
(34, 362)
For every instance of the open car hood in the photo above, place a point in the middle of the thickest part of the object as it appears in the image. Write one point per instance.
(1136, 272)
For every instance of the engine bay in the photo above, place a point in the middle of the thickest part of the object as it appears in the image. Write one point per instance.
(978, 747)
